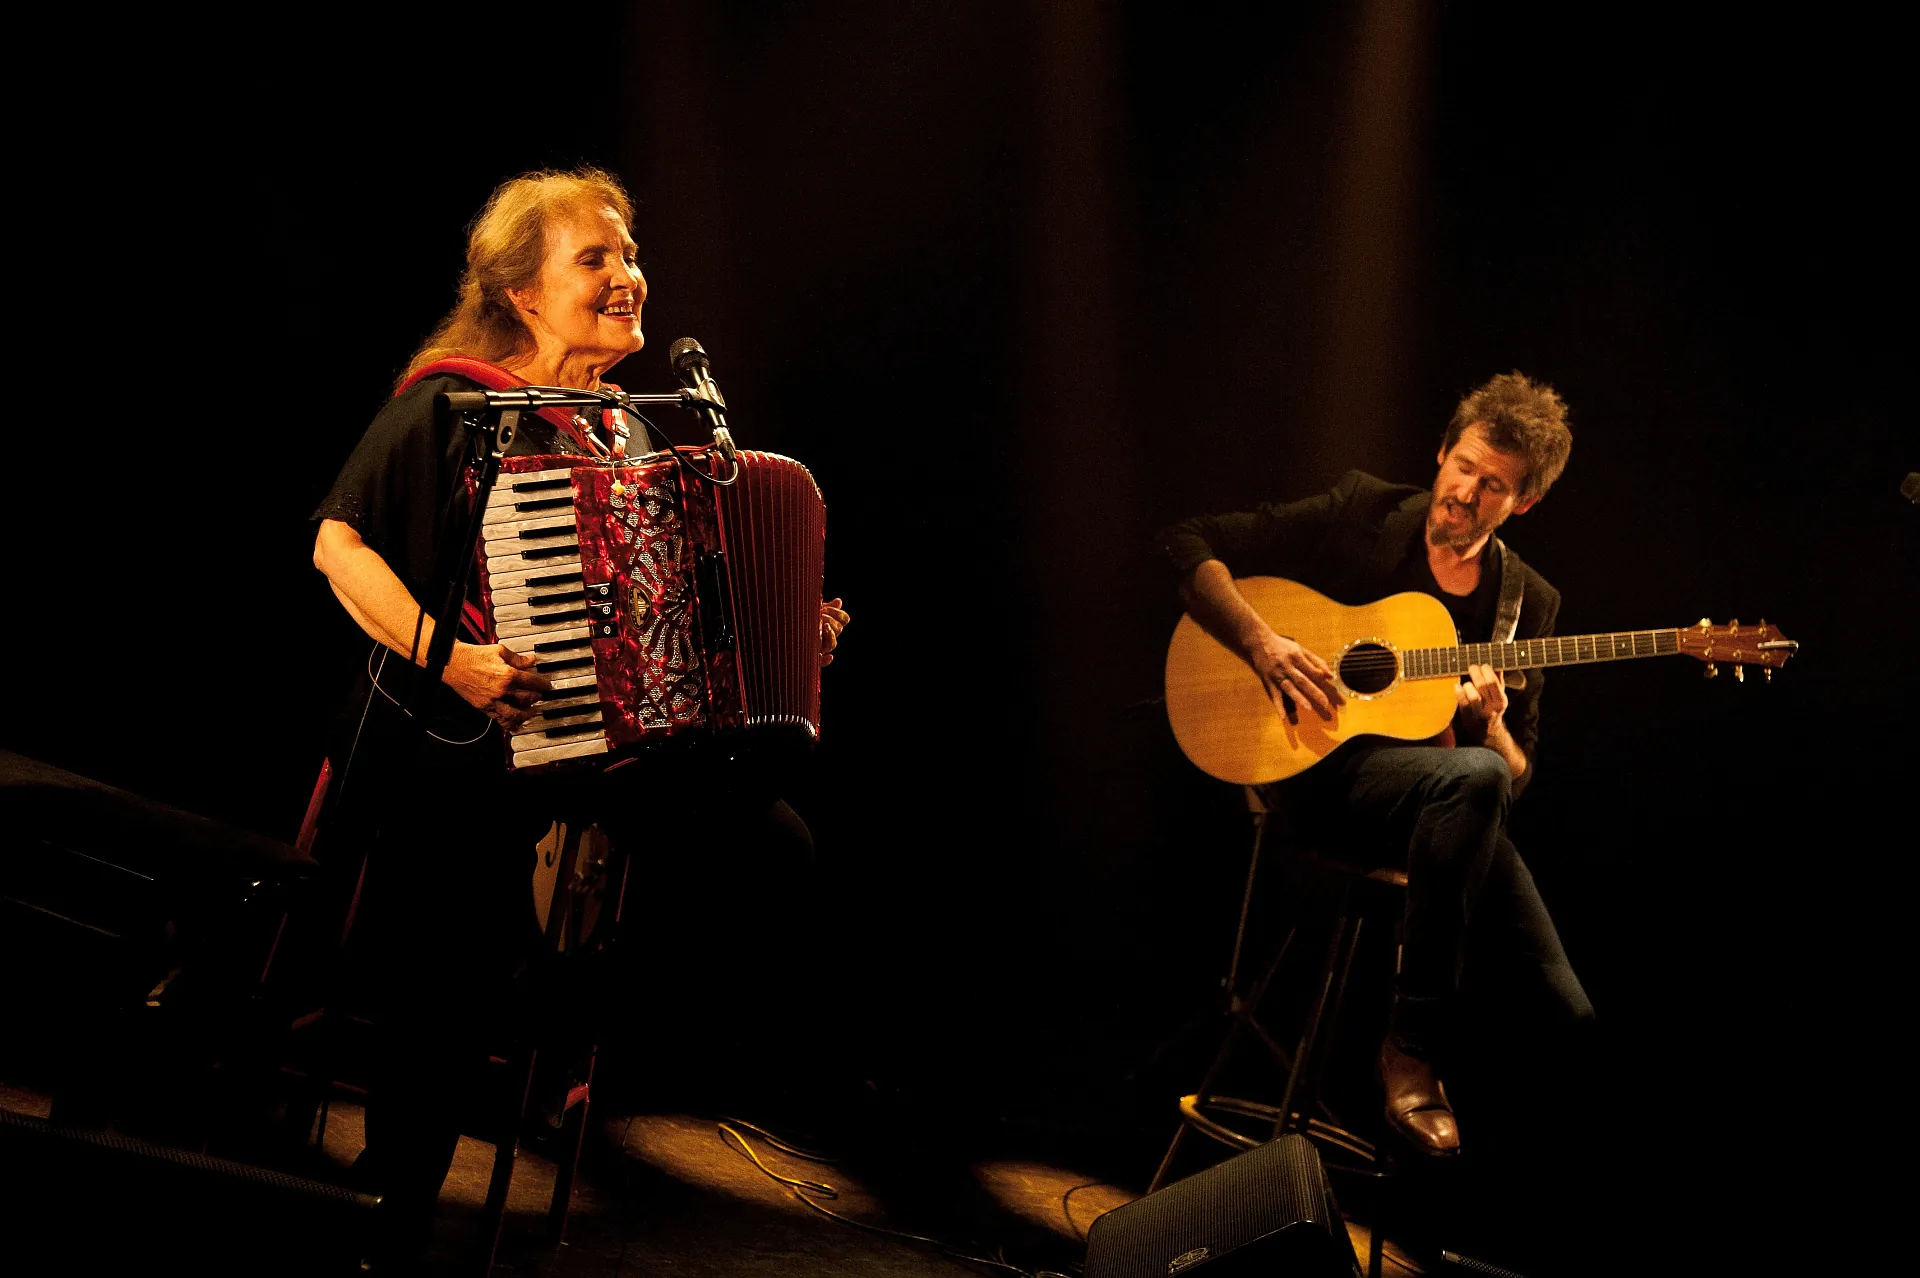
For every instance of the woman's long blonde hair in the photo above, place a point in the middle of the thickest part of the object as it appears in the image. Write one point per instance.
(506, 244)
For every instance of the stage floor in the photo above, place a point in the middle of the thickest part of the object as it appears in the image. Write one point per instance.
(669, 1193)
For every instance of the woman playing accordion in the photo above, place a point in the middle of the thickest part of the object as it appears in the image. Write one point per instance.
(551, 296)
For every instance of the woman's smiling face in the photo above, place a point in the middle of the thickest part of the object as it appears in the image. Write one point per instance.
(586, 305)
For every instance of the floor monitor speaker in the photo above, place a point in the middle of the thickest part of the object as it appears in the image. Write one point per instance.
(89, 1202)
(1267, 1212)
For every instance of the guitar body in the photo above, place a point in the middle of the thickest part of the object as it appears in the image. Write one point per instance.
(1226, 723)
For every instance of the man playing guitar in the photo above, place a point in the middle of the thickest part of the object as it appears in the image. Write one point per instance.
(1443, 810)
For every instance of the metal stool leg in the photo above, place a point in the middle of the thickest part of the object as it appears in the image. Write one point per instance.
(1310, 1033)
(1240, 1019)
(572, 1137)
(1238, 1011)
(506, 1143)
(1317, 1043)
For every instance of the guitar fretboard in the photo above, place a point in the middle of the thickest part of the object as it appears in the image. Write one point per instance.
(1562, 650)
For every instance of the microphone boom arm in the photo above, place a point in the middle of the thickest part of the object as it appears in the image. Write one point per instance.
(703, 399)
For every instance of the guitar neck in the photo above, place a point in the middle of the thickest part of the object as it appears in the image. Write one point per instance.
(1531, 654)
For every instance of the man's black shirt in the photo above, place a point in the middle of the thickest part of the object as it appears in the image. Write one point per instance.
(1472, 613)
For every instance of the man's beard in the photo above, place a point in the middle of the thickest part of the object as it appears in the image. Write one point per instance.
(1456, 537)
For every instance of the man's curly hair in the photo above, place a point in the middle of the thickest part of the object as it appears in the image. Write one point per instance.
(1519, 416)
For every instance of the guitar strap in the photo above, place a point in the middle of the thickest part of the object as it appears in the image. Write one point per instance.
(1506, 614)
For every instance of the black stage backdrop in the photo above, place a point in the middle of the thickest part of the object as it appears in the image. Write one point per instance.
(1021, 283)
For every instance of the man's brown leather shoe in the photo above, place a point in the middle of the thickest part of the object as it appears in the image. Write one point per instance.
(1417, 1103)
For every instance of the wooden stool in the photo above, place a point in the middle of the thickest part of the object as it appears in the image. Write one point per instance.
(581, 889)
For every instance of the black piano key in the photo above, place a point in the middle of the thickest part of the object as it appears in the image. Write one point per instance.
(567, 712)
(573, 730)
(547, 503)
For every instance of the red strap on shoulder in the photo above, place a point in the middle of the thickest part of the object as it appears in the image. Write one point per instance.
(494, 377)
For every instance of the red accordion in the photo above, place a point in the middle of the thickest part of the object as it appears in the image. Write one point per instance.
(659, 604)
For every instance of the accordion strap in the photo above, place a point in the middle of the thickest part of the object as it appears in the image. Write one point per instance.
(494, 377)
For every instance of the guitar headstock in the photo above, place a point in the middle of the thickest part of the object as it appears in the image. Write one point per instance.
(1762, 645)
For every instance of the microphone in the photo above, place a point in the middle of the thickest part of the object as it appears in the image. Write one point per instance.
(689, 360)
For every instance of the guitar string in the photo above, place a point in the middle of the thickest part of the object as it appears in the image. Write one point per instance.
(1554, 650)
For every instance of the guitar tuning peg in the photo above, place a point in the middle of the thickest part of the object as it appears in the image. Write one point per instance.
(1712, 670)
(1706, 623)
(1739, 674)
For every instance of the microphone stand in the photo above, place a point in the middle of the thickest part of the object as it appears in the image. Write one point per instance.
(489, 444)
(537, 397)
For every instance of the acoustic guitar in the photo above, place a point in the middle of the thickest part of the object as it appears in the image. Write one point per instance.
(1397, 662)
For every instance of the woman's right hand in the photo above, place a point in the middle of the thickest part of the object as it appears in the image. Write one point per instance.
(496, 680)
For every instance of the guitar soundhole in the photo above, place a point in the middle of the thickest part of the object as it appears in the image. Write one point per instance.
(1368, 668)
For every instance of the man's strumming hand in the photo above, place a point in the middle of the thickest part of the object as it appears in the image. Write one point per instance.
(1291, 674)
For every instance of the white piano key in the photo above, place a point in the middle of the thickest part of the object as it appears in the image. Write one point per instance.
(511, 491)
(573, 750)
(555, 702)
(521, 561)
(570, 601)
(581, 714)
(560, 595)
(506, 485)
(517, 578)
(540, 738)
(515, 529)
(578, 636)
(514, 628)
(530, 505)
(575, 679)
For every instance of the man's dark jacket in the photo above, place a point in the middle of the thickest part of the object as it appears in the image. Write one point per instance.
(1348, 544)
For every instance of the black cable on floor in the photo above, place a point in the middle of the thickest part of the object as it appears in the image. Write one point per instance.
(805, 1191)
(1066, 1210)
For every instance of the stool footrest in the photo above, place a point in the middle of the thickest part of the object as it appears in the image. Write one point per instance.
(1193, 1111)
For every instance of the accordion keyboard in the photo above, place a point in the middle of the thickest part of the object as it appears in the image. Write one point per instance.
(542, 607)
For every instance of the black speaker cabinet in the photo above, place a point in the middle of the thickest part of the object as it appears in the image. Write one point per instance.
(1267, 1212)
(82, 1202)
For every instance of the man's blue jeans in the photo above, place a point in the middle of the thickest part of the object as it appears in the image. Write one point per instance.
(1442, 814)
